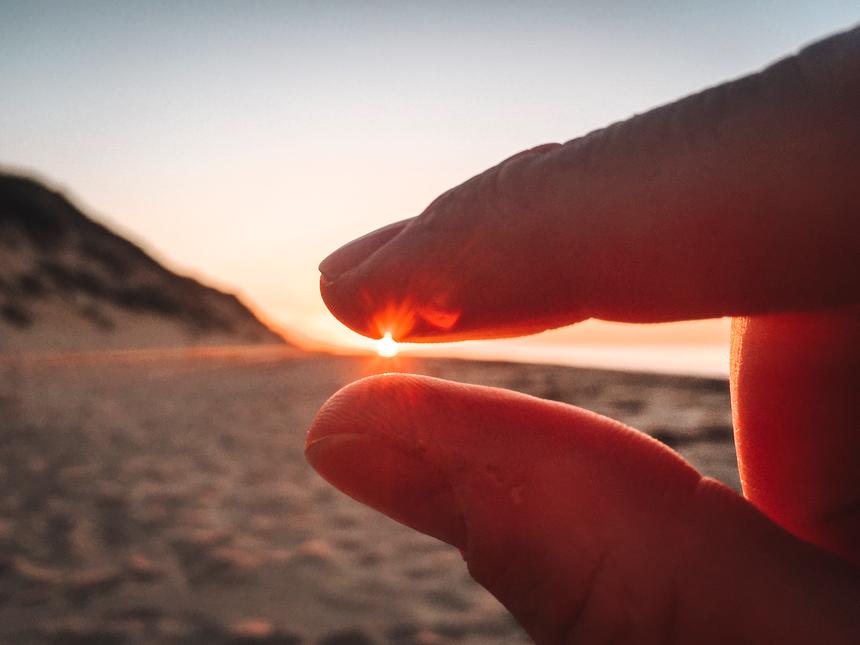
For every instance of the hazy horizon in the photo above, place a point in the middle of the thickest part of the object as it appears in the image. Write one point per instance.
(243, 144)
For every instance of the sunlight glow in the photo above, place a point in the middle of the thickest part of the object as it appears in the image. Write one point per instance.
(386, 346)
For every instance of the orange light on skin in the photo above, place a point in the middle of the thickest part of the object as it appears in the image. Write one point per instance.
(399, 318)
(394, 319)
(386, 346)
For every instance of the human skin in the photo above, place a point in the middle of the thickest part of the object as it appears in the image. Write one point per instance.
(743, 201)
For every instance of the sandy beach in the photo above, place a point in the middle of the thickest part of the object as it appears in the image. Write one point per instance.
(164, 498)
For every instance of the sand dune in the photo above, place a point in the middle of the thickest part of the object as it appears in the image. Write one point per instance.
(69, 283)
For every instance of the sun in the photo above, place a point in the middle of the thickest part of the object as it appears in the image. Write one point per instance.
(386, 346)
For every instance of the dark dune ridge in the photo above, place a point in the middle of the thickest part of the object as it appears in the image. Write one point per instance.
(67, 282)
(166, 500)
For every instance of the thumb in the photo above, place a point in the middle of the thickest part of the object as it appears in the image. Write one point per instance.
(586, 530)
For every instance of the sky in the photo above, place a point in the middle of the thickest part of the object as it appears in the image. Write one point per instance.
(241, 142)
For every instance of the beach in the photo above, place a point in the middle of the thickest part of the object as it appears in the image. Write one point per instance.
(163, 498)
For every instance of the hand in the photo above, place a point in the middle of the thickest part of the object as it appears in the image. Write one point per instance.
(743, 200)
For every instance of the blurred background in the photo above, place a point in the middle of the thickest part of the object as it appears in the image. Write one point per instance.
(242, 142)
(160, 157)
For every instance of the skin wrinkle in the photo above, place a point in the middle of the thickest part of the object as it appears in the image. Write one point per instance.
(569, 631)
(592, 251)
(500, 569)
(545, 232)
(844, 514)
(576, 153)
(336, 411)
(456, 200)
(675, 513)
(649, 188)
(336, 264)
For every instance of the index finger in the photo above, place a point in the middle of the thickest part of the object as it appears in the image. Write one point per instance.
(742, 199)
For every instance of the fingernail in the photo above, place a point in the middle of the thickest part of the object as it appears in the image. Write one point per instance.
(354, 253)
(390, 479)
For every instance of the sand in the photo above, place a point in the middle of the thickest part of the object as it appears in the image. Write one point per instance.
(59, 325)
(163, 498)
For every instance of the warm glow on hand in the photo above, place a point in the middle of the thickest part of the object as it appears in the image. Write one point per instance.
(386, 346)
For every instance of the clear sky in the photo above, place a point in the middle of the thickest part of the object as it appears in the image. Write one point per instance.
(243, 141)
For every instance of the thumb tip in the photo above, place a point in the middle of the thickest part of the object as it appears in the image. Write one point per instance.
(386, 472)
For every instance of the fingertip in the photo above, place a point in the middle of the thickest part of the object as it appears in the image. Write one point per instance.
(353, 303)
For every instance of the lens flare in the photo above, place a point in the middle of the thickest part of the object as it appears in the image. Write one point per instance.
(387, 346)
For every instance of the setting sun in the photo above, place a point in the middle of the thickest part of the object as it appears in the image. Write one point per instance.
(386, 346)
